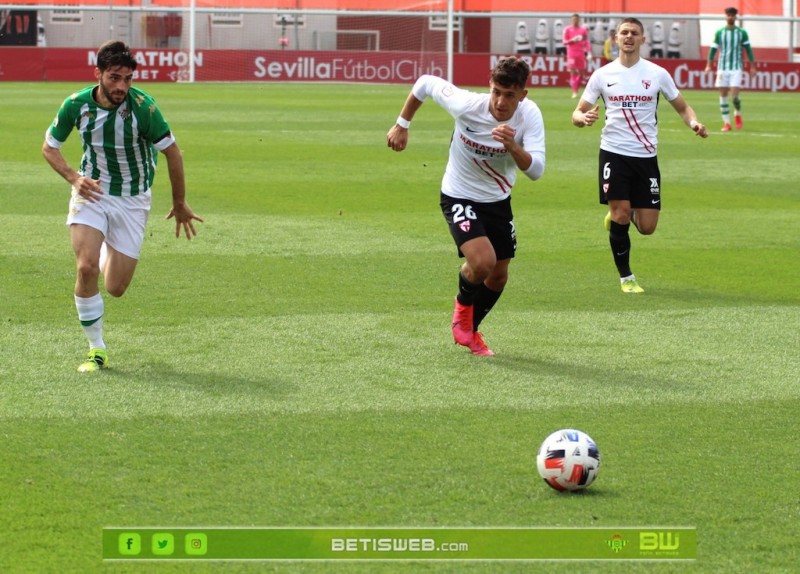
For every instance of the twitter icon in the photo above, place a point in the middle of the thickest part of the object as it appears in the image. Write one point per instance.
(163, 544)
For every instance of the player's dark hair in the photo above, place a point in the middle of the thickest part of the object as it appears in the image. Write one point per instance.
(635, 21)
(511, 72)
(115, 53)
(731, 11)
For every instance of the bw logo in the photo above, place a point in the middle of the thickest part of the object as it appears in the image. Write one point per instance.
(659, 541)
(654, 188)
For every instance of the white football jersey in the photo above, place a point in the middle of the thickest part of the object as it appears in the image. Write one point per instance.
(631, 99)
(480, 168)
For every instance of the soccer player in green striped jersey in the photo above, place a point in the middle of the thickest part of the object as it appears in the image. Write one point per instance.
(730, 41)
(121, 130)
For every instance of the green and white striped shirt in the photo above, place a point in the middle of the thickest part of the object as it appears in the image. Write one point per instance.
(730, 43)
(119, 144)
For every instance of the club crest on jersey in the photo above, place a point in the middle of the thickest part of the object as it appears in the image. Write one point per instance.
(125, 114)
(646, 84)
(465, 226)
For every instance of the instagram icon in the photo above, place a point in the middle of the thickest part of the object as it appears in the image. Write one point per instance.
(196, 544)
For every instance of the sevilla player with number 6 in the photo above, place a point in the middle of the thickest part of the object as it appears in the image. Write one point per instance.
(629, 178)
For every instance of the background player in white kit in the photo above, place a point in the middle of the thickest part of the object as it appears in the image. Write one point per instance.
(495, 134)
(630, 181)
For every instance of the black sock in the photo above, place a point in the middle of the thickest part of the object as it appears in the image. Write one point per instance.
(485, 299)
(621, 247)
(466, 290)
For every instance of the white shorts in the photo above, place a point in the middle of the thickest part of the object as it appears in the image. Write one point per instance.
(729, 79)
(121, 219)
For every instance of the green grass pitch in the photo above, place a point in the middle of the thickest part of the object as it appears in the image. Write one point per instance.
(293, 365)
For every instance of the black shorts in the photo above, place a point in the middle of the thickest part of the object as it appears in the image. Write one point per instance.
(636, 179)
(469, 219)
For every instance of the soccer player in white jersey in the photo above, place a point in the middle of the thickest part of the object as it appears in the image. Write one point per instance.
(629, 178)
(121, 130)
(495, 134)
(730, 41)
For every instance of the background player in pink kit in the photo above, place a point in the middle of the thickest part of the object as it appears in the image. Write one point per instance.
(496, 134)
(629, 177)
(579, 48)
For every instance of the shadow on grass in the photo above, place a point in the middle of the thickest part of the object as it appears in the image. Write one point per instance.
(714, 299)
(618, 379)
(211, 383)
(532, 366)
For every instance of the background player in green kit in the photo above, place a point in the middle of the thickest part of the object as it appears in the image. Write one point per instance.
(122, 131)
(730, 41)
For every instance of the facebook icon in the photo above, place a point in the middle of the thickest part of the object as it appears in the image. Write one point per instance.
(130, 543)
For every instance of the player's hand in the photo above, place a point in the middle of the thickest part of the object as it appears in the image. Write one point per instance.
(700, 130)
(184, 217)
(88, 188)
(504, 134)
(397, 138)
(591, 116)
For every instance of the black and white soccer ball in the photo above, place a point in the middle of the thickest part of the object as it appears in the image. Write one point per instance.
(568, 460)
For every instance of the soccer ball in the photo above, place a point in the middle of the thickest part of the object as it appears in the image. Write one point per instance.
(568, 460)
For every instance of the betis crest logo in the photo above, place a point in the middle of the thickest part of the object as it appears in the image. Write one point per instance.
(616, 543)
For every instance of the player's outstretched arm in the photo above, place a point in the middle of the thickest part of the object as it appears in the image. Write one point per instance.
(183, 214)
(688, 116)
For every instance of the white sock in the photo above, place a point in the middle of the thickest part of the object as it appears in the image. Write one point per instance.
(725, 110)
(90, 314)
(623, 279)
